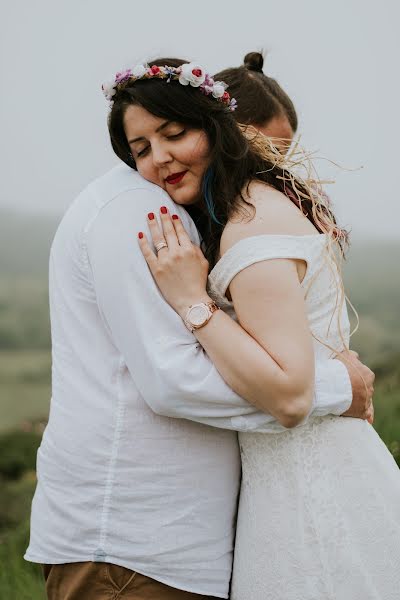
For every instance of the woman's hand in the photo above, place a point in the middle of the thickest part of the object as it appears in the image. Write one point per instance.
(179, 269)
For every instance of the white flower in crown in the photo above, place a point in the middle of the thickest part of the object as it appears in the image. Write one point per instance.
(192, 74)
(138, 71)
(218, 89)
(109, 90)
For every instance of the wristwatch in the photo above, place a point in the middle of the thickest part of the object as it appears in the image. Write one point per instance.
(199, 314)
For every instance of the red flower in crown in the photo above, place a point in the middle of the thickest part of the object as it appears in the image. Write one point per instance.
(191, 74)
(226, 96)
(154, 70)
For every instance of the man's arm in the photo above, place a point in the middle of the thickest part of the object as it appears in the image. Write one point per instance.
(171, 370)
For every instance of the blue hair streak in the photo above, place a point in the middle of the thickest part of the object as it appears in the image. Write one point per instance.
(207, 183)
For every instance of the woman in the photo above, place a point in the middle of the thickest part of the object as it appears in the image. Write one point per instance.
(316, 519)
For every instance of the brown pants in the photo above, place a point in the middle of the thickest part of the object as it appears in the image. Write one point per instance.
(104, 581)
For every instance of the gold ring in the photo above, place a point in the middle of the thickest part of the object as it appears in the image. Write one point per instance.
(160, 245)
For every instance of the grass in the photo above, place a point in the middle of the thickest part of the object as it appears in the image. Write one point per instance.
(24, 387)
(387, 418)
(19, 580)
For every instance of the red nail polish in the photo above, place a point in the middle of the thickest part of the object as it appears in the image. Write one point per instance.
(164, 210)
(150, 216)
(140, 235)
(175, 217)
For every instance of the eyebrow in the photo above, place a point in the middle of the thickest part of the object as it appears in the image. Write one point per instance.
(160, 128)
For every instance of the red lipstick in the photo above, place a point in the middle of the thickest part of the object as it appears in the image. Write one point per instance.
(175, 177)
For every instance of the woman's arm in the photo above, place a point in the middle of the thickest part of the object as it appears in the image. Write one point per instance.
(268, 358)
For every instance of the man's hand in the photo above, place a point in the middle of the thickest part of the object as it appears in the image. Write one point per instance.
(362, 383)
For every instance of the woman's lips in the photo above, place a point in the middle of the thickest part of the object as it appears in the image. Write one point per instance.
(175, 177)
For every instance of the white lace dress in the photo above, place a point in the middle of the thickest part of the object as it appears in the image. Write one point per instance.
(319, 512)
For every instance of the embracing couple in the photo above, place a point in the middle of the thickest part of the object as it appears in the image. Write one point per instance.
(163, 352)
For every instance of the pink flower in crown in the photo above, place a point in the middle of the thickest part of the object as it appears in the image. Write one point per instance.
(122, 76)
(208, 85)
(192, 74)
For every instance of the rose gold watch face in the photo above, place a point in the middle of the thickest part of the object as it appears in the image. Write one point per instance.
(198, 315)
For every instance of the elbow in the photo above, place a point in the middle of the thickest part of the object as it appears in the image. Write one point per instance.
(294, 411)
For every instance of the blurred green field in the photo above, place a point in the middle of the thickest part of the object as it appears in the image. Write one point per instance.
(24, 387)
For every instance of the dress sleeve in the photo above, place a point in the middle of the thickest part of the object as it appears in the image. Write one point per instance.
(333, 391)
(256, 249)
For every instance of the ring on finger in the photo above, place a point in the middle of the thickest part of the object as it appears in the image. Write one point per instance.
(160, 245)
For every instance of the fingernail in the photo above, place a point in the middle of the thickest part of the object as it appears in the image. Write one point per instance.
(140, 235)
(164, 210)
(175, 217)
(150, 216)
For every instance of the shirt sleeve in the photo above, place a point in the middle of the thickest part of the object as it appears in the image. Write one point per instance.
(169, 367)
(333, 393)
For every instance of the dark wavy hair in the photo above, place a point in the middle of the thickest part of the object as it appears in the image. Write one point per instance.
(260, 97)
(235, 160)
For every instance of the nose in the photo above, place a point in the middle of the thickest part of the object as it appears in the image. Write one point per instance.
(161, 155)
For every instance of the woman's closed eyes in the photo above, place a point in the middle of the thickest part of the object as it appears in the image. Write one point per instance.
(174, 136)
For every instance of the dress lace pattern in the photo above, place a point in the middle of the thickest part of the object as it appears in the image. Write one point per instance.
(319, 512)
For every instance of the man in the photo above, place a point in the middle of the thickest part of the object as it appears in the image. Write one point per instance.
(131, 503)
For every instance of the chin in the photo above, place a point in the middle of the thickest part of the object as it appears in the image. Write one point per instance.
(185, 198)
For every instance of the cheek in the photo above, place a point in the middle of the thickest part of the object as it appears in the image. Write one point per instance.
(204, 147)
(147, 171)
(199, 151)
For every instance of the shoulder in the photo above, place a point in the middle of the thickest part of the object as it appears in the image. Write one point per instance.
(123, 194)
(117, 181)
(102, 190)
(121, 200)
(119, 191)
(266, 211)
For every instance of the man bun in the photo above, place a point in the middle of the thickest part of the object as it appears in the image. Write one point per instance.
(254, 61)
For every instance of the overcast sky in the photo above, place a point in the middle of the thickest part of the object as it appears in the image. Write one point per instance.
(338, 60)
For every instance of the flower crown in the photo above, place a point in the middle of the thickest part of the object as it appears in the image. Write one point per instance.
(187, 74)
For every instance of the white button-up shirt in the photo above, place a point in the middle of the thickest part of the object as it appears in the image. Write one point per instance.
(119, 480)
